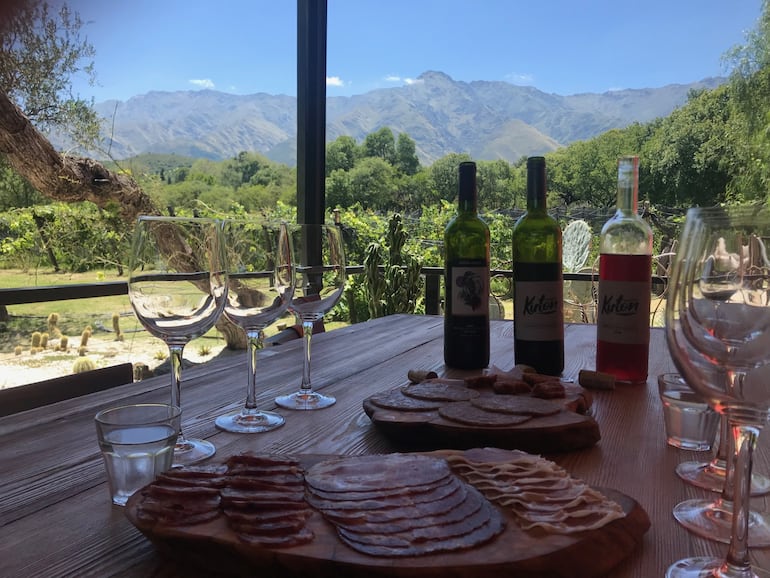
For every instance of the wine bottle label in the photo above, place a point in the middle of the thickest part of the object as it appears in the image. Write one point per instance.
(469, 290)
(624, 311)
(538, 310)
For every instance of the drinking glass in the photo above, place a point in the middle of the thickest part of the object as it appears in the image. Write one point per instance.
(320, 257)
(177, 285)
(717, 327)
(261, 283)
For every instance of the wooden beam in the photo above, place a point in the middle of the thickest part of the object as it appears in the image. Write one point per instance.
(311, 110)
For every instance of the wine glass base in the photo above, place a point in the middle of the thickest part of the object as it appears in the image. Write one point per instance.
(191, 451)
(706, 567)
(706, 476)
(305, 400)
(249, 422)
(714, 521)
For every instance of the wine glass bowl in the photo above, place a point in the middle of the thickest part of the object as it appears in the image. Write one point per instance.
(320, 270)
(261, 281)
(718, 331)
(177, 286)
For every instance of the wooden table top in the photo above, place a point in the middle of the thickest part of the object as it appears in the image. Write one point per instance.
(56, 517)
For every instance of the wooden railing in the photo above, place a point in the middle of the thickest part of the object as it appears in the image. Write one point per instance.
(433, 276)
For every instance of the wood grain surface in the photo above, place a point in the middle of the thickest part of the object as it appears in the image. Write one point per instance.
(56, 518)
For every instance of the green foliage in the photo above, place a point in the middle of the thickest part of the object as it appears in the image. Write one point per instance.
(40, 51)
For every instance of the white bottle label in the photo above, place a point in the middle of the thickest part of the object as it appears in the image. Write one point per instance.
(538, 309)
(469, 291)
(624, 312)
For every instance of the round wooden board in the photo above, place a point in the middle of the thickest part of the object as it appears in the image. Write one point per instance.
(564, 431)
(213, 547)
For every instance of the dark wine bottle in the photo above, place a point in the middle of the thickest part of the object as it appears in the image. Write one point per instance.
(466, 280)
(538, 286)
(625, 284)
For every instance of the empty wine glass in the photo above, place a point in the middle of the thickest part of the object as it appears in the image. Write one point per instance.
(261, 283)
(717, 327)
(177, 285)
(320, 258)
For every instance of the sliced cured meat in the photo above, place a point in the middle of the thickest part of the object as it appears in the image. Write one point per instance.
(452, 497)
(376, 472)
(467, 413)
(484, 533)
(397, 400)
(302, 536)
(439, 391)
(373, 499)
(517, 405)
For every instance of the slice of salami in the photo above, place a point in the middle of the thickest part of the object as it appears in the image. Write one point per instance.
(517, 405)
(397, 400)
(438, 391)
(466, 413)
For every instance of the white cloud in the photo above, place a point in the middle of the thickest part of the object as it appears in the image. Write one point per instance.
(392, 78)
(412, 81)
(404, 80)
(202, 82)
(334, 81)
(519, 78)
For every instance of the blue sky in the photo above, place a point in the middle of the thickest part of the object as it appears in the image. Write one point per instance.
(559, 46)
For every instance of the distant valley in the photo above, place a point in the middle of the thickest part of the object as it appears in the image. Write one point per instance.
(486, 119)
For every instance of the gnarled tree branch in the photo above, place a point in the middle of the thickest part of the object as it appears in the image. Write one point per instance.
(61, 177)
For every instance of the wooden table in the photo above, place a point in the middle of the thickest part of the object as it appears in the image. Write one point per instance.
(56, 518)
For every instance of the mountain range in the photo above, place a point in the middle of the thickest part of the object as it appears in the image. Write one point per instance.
(487, 119)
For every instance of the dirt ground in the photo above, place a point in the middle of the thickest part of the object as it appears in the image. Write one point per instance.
(102, 349)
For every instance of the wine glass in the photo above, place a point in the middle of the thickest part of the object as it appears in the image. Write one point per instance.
(177, 285)
(718, 330)
(320, 257)
(261, 283)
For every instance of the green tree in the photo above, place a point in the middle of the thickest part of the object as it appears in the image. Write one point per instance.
(443, 174)
(371, 183)
(406, 155)
(341, 154)
(381, 144)
(40, 51)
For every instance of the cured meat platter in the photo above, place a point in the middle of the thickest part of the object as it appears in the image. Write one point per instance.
(446, 413)
(402, 515)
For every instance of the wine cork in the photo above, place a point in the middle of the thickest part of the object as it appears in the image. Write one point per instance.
(596, 379)
(420, 375)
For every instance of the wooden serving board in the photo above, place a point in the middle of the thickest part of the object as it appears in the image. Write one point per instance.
(213, 547)
(572, 428)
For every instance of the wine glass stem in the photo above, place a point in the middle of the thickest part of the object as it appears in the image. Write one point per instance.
(254, 340)
(307, 330)
(745, 437)
(175, 356)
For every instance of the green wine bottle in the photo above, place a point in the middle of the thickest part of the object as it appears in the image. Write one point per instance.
(538, 286)
(466, 280)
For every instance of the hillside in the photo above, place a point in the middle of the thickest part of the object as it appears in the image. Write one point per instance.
(488, 120)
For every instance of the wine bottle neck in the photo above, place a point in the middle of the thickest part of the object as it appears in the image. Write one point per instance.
(628, 184)
(536, 184)
(467, 196)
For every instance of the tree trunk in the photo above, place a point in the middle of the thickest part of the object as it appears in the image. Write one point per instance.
(71, 179)
(61, 177)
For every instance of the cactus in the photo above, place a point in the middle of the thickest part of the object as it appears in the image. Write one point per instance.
(18, 350)
(83, 364)
(84, 337)
(44, 340)
(576, 242)
(82, 350)
(36, 338)
(396, 289)
(53, 324)
(116, 326)
(64, 343)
